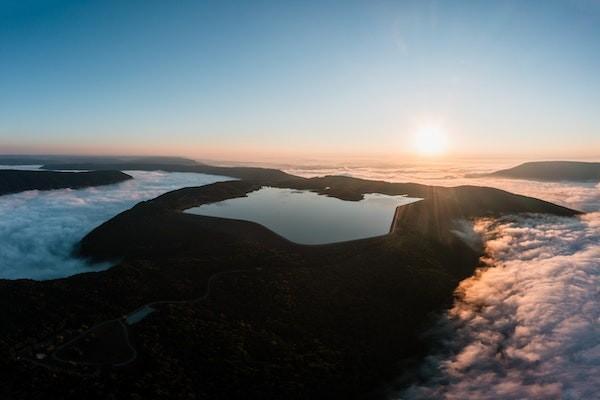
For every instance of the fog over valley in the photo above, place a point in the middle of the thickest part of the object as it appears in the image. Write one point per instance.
(39, 229)
(527, 325)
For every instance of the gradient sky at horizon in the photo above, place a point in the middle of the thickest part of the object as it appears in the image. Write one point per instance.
(245, 80)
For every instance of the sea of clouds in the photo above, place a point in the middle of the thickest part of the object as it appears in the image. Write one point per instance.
(528, 325)
(39, 229)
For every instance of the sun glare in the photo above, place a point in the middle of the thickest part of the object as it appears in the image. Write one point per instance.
(430, 140)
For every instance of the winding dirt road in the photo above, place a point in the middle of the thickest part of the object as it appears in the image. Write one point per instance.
(122, 321)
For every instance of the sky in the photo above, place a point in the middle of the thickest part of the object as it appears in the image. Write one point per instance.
(252, 80)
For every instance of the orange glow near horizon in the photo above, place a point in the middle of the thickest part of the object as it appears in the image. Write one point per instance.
(426, 143)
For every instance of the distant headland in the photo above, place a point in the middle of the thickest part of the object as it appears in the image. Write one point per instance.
(14, 181)
(550, 171)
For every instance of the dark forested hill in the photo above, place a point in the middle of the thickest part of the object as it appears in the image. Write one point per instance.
(13, 181)
(551, 171)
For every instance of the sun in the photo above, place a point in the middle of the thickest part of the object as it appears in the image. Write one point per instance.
(430, 140)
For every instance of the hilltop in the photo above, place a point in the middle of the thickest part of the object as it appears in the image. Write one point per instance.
(14, 181)
(550, 171)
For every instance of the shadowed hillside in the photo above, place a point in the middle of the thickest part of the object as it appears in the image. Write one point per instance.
(13, 181)
(143, 228)
(550, 171)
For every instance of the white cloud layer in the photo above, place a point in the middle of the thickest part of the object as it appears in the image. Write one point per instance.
(39, 229)
(528, 328)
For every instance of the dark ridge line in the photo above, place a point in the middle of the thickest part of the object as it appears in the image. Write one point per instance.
(549, 171)
(16, 181)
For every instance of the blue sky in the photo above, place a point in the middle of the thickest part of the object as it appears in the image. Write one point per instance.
(247, 80)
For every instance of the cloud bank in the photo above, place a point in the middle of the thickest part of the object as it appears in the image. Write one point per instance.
(528, 328)
(38, 230)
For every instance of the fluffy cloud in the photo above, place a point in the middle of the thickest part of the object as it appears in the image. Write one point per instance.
(38, 230)
(527, 327)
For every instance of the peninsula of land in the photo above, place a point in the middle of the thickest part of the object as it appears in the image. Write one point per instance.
(205, 307)
(551, 171)
(14, 181)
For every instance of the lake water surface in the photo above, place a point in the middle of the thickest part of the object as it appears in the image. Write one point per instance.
(308, 218)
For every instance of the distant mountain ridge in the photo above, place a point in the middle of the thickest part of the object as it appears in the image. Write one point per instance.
(26, 159)
(550, 171)
(247, 173)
